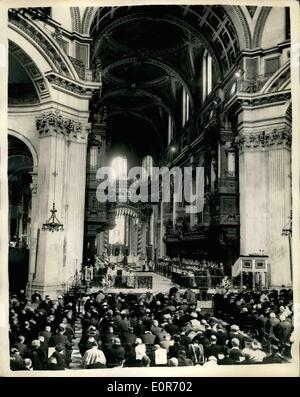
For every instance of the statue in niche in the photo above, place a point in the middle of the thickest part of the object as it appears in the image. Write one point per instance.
(214, 169)
(98, 70)
(102, 115)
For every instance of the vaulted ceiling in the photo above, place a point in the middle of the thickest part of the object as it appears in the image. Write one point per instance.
(147, 55)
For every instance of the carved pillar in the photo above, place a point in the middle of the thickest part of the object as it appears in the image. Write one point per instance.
(162, 247)
(61, 171)
(265, 196)
(34, 228)
(144, 238)
(74, 199)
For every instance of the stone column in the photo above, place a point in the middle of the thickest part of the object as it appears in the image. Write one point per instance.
(162, 247)
(139, 238)
(74, 201)
(61, 169)
(34, 230)
(48, 271)
(265, 197)
(144, 238)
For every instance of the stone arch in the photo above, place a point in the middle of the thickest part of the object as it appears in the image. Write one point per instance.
(169, 69)
(278, 80)
(235, 13)
(156, 99)
(75, 17)
(289, 113)
(260, 25)
(41, 46)
(87, 19)
(28, 143)
(241, 25)
(33, 71)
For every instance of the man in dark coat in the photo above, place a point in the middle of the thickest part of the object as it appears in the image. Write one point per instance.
(61, 339)
(148, 338)
(274, 357)
(20, 345)
(128, 337)
(46, 333)
(213, 349)
(115, 355)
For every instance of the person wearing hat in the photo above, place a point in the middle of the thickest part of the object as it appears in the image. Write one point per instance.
(91, 332)
(115, 354)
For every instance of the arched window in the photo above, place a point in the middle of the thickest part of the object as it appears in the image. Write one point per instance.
(185, 107)
(117, 234)
(206, 75)
(170, 130)
(148, 165)
(119, 167)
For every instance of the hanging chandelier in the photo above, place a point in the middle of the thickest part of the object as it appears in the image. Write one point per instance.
(53, 224)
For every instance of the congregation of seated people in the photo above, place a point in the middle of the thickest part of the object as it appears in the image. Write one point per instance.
(146, 330)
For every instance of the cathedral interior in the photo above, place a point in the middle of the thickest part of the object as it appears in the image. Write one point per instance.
(154, 86)
(151, 188)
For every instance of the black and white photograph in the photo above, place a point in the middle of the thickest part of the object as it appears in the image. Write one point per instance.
(150, 188)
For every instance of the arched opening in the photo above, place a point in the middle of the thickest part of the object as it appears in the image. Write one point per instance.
(20, 167)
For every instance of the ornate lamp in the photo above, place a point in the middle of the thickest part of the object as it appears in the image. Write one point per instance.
(53, 224)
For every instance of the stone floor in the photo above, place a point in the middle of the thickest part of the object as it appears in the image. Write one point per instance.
(76, 356)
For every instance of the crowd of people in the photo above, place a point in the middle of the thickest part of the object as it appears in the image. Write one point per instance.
(146, 330)
(191, 273)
